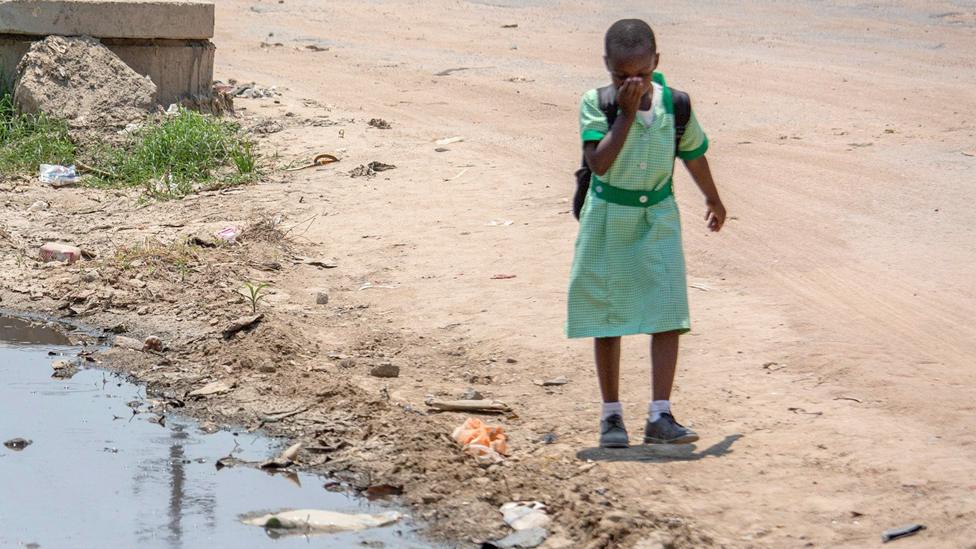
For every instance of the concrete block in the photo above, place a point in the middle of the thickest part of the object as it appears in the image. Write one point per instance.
(175, 19)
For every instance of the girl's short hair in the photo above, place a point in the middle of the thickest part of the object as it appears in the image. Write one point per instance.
(628, 35)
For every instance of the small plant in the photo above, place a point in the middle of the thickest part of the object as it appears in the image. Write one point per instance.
(254, 294)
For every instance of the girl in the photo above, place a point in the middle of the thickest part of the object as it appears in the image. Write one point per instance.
(628, 274)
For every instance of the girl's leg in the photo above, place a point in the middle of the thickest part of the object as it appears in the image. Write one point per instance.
(607, 351)
(664, 362)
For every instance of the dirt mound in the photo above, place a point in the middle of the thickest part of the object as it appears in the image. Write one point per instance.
(83, 82)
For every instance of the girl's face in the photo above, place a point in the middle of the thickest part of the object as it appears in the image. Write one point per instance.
(637, 65)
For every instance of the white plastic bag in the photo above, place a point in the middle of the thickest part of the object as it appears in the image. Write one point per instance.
(58, 176)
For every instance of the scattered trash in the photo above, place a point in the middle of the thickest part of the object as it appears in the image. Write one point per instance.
(153, 343)
(18, 443)
(482, 406)
(380, 124)
(241, 324)
(510, 26)
(857, 400)
(449, 140)
(371, 169)
(368, 285)
(561, 380)
(268, 127)
(902, 532)
(210, 389)
(229, 234)
(522, 539)
(500, 223)
(523, 515)
(321, 298)
(385, 370)
(486, 442)
(303, 521)
(285, 459)
(381, 491)
(472, 394)
(253, 91)
(64, 369)
(53, 251)
(503, 277)
(323, 159)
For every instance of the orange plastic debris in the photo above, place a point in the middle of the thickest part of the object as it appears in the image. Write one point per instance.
(479, 439)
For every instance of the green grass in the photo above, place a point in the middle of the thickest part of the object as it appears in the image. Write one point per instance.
(169, 157)
(27, 140)
(179, 155)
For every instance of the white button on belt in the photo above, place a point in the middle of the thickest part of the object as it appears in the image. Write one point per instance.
(599, 189)
(643, 199)
(643, 165)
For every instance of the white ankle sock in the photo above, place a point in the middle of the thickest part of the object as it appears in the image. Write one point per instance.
(656, 408)
(611, 408)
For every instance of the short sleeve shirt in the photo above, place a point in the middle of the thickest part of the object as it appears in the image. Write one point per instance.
(646, 160)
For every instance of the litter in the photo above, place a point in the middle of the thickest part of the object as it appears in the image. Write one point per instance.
(523, 539)
(323, 159)
(229, 234)
(285, 459)
(902, 532)
(314, 520)
(449, 140)
(483, 406)
(18, 443)
(485, 442)
(500, 222)
(503, 277)
(371, 169)
(52, 251)
(523, 515)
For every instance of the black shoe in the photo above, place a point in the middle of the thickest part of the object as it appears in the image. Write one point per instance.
(668, 431)
(613, 434)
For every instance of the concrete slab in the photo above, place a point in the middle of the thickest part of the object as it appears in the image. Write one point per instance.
(174, 19)
(181, 69)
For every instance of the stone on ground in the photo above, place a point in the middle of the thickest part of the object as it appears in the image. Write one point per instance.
(81, 81)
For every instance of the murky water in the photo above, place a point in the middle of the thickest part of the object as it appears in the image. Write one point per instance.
(97, 475)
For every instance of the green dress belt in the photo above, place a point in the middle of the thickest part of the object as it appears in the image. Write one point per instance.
(637, 199)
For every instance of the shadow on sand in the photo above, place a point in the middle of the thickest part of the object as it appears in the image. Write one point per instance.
(659, 453)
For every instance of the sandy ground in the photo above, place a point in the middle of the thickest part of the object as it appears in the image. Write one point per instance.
(828, 370)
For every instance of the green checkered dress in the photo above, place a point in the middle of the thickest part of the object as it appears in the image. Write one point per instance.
(628, 274)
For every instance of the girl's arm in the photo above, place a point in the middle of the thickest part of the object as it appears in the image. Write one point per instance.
(601, 155)
(715, 210)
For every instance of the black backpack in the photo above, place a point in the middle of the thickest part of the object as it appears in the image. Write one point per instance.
(608, 104)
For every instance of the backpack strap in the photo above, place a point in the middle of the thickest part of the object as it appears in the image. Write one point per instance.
(608, 104)
(681, 104)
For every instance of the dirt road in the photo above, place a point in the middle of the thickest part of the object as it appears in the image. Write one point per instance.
(828, 369)
(829, 366)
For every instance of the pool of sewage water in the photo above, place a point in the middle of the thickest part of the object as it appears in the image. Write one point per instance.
(96, 474)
